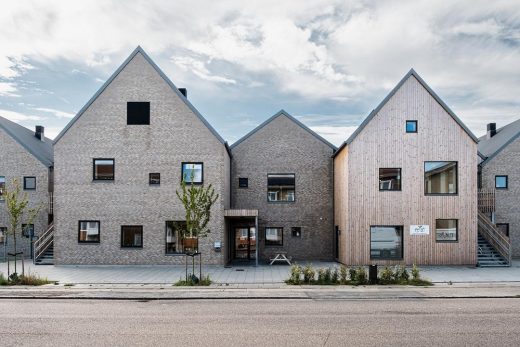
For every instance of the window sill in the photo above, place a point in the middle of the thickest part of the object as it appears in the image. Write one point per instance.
(174, 254)
(131, 248)
(88, 243)
(442, 194)
(457, 241)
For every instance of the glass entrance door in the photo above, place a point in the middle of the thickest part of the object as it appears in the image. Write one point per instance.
(245, 243)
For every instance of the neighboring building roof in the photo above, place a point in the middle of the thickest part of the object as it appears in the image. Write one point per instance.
(504, 136)
(161, 73)
(41, 150)
(396, 88)
(297, 122)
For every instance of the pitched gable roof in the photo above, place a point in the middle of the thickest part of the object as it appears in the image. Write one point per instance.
(504, 136)
(389, 96)
(272, 118)
(161, 73)
(41, 150)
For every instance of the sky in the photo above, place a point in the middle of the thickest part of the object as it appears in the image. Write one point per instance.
(326, 62)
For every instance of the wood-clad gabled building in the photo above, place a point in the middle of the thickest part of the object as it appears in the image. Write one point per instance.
(405, 183)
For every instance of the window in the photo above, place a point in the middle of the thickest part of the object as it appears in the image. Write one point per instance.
(28, 230)
(137, 113)
(174, 231)
(2, 188)
(3, 234)
(389, 179)
(446, 230)
(132, 236)
(243, 182)
(440, 177)
(155, 178)
(501, 182)
(411, 126)
(104, 169)
(88, 231)
(280, 187)
(296, 232)
(274, 236)
(192, 172)
(29, 183)
(504, 228)
(386, 242)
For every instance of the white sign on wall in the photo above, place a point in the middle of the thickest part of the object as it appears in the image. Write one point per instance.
(419, 230)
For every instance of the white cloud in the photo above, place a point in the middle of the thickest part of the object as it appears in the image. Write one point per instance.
(57, 113)
(335, 135)
(8, 89)
(18, 117)
(199, 68)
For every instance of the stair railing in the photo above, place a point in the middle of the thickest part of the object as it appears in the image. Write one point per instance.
(43, 243)
(495, 237)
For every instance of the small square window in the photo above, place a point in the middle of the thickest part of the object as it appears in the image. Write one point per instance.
(243, 182)
(440, 177)
(389, 179)
(138, 113)
(28, 230)
(192, 173)
(446, 230)
(104, 169)
(504, 228)
(274, 236)
(88, 231)
(29, 183)
(296, 232)
(411, 126)
(155, 179)
(501, 182)
(3, 234)
(132, 236)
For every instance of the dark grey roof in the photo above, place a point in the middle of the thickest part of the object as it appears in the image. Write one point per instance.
(278, 114)
(41, 150)
(161, 73)
(504, 136)
(392, 92)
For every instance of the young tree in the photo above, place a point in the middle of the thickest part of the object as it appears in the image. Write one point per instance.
(18, 208)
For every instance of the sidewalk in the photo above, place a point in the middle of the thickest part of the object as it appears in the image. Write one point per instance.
(263, 275)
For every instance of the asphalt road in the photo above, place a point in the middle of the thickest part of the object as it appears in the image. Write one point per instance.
(447, 322)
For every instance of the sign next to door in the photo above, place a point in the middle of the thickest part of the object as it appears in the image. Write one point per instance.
(419, 230)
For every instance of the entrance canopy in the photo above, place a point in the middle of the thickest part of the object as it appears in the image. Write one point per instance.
(240, 213)
(242, 229)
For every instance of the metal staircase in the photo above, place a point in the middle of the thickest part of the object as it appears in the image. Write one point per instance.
(494, 248)
(44, 248)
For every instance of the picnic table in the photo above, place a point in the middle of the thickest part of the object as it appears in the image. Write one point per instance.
(280, 256)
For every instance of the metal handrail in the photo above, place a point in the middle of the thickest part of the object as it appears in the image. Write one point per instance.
(500, 241)
(43, 242)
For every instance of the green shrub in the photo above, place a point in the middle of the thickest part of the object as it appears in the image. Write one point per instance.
(308, 274)
(321, 276)
(193, 281)
(327, 276)
(352, 274)
(24, 280)
(361, 275)
(415, 272)
(3, 280)
(343, 272)
(386, 276)
(296, 272)
(334, 276)
(403, 275)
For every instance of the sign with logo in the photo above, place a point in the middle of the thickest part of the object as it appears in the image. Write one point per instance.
(419, 230)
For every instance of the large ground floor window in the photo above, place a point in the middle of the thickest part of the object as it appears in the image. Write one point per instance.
(174, 231)
(386, 242)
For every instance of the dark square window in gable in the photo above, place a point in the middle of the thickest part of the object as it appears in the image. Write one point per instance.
(296, 232)
(104, 169)
(504, 228)
(243, 182)
(501, 182)
(155, 179)
(132, 236)
(29, 183)
(411, 126)
(389, 179)
(137, 113)
(28, 230)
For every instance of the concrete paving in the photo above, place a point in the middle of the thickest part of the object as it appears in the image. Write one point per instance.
(261, 275)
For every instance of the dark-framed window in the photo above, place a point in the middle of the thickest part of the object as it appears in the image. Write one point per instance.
(89, 231)
(273, 236)
(28, 230)
(389, 179)
(386, 242)
(504, 228)
(104, 169)
(411, 126)
(193, 173)
(501, 182)
(2, 188)
(154, 178)
(138, 113)
(174, 232)
(296, 232)
(29, 183)
(446, 230)
(132, 236)
(3, 234)
(440, 177)
(243, 182)
(281, 188)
